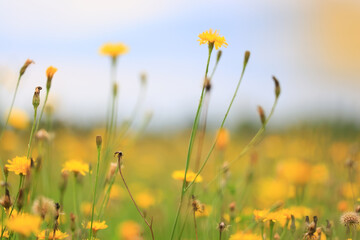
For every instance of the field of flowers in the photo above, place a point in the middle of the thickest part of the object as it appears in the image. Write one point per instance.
(116, 182)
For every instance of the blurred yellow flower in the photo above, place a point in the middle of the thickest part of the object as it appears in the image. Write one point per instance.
(204, 211)
(50, 71)
(96, 226)
(190, 176)
(24, 224)
(223, 137)
(114, 49)
(260, 214)
(270, 191)
(19, 165)
(86, 208)
(9, 141)
(295, 171)
(245, 236)
(18, 119)
(145, 200)
(212, 37)
(115, 192)
(130, 230)
(319, 173)
(76, 166)
(349, 190)
(58, 235)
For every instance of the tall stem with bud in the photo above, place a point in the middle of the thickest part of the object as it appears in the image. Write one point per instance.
(98, 145)
(36, 103)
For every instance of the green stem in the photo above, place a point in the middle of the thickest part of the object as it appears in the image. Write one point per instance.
(191, 143)
(96, 182)
(75, 200)
(222, 124)
(271, 230)
(13, 206)
(106, 197)
(11, 107)
(32, 133)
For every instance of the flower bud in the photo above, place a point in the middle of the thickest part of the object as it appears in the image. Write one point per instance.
(246, 57)
(143, 78)
(277, 87)
(262, 115)
(115, 89)
(50, 71)
(36, 97)
(98, 141)
(218, 56)
(25, 66)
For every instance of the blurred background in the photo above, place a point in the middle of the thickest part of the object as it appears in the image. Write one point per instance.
(313, 47)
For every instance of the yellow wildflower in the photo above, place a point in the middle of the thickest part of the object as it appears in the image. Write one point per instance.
(222, 139)
(114, 49)
(245, 236)
(190, 176)
(76, 166)
(145, 200)
(319, 173)
(86, 208)
(115, 192)
(130, 230)
(270, 191)
(58, 235)
(24, 224)
(19, 165)
(211, 37)
(50, 71)
(96, 226)
(203, 211)
(260, 214)
(295, 171)
(18, 119)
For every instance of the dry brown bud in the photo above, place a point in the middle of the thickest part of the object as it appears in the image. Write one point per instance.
(25, 66)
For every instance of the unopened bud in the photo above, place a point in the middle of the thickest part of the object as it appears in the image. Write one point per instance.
(292, 225)
(221, 226)
(218, 56)
(143, 78)
(98, 141)
(50, 71)
(207, 84)
(20, 200)
(262, 115)
(42, 135)
(25, 66)
(72, 222)
(276, 236)
(112, 170)
(246, 58)
(6, 172)
(36, 97)
(277, 86)
(115, 89)
(5, 201)
(232, 206)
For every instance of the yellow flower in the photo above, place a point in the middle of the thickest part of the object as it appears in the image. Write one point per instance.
(179, 175)
(24, 224)
(222, 139)
(6, 233)
(130, 230)
(58, 235)
(211, 37)
(113, 49)
(86, 208)
(18, 119)
(19, 165)
(295, 171)
(76, 166)
(145, 200)
(115, 192)
(260, 214)
(245, 236)
(50, 71)
(203, 211)
(96, 226)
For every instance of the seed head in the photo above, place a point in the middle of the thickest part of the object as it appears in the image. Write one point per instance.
(350, 219)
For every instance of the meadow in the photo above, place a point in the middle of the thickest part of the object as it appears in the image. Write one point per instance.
(113, 181)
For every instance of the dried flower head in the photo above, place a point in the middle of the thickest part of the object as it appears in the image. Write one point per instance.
(44, 207)
(350, 219)
(25, 66)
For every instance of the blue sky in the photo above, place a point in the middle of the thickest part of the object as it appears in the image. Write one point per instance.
(298, 41)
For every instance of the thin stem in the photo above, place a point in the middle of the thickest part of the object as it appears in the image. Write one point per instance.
(149, 224)
(75, 199)
(271, 230)
(106, 197)
(32, 132)
(96, 182)
(13, 206)
(196, 232)
(221, 126)
(11, 107)
(191, 143)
